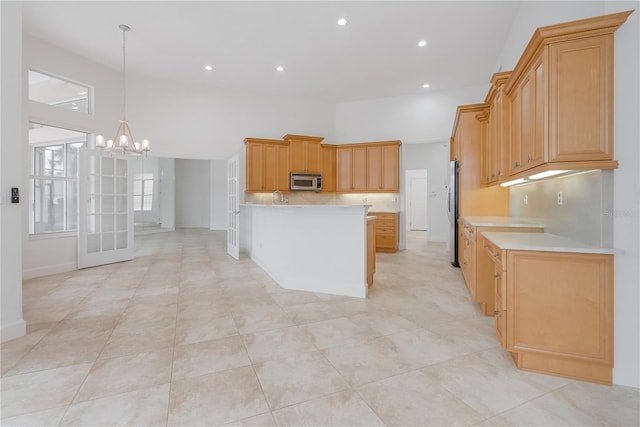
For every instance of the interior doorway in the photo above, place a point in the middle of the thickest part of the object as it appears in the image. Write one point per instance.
(417, 200)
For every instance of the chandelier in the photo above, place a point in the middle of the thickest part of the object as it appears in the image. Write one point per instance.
(123, 142)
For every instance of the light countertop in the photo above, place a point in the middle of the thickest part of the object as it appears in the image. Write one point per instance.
(542, 242)
(321, 206)
(501, 221)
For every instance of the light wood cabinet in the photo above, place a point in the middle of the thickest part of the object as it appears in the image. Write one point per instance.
(477, 269)
(329, 166)
(371, 250)
(383, 168)
(267, 165)
(474, 197)
(554, 311)
(386, 228)
(496, 149)
(369, 167)
(352, 168)
(305, 153)
(527, 121)
(561, 98)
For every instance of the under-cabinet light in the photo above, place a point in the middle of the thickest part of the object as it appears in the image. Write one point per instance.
(514, 182)
(547, 174)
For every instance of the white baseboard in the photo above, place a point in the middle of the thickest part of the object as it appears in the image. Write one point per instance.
(49, 269)
(13, 330)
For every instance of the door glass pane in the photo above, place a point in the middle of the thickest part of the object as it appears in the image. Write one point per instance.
(49, 207)
(93, 243)
(121, 222)
(93, 224)
(121, 240)
(121, 185)
(121, 167)
(108, 204)
(121, 202)
(108, 241)
(107, 185)
(72, 158)
(108, 223)
(72, 205)
(94, 204)
(107, 166)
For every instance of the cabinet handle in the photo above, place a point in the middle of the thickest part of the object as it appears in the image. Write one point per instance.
(529, 158)
(497, 313)
(496, 255)
(515, 165)
(486, 246)
(496, 276)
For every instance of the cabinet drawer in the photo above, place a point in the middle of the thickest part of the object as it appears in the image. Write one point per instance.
(385, 223)
(385, 241)
(390, 231)
(469, 231)
(494, 252)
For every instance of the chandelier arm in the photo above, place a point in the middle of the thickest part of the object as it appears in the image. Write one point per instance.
(120, 129)
(128, 130)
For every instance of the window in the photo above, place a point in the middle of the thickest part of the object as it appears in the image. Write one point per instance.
(58, 92)
(54, 178)
(143, 192)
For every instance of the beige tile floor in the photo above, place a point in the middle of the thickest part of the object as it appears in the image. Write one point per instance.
(183, 335)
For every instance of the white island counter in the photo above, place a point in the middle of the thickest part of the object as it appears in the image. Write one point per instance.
(317, 248)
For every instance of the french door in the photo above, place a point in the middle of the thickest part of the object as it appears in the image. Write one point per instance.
(233, 208)
(105, 225)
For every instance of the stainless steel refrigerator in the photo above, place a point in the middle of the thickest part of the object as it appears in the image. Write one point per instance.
(453, 213)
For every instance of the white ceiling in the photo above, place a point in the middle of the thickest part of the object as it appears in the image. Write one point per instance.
(374, 55)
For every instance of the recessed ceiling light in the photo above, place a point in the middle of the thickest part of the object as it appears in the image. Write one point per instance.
(280, 68)
(74, 108)
(422, 43)
(426, 85)
(84, 92)
(208, 67)
(342, 22)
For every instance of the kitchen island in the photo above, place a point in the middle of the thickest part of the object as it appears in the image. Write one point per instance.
(317, 248)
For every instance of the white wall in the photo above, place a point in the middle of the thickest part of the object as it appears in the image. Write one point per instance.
(148, 164)
(192, 193)
(11, 172)
(627, 178)
(218, 202)
(435, 158)
(167, 192)
(411, 119)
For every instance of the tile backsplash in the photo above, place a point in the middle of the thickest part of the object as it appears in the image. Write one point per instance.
(380, 202)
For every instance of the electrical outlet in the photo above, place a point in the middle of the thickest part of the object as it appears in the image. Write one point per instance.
(560, 198)
(394, 199)
(526, 199)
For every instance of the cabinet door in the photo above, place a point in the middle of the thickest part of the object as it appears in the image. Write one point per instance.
(313, 157)
(535, 154)
(527, 125)
(581, 89)
(515, 145)
(390, 168)
(344, 169)
(560, 304)
(271, 172)
(329, 163)
(255, 167)
(297, 156)
(283, 181)
(359, 169)
(500, 312)
(374, 172)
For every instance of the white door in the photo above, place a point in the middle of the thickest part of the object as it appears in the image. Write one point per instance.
(233, 208)
(417, 195)
(105, 223)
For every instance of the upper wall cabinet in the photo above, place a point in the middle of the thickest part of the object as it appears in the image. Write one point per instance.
(496, 147)
(329, 163)
(369, 167)
(305, 153)
(267, 165)
(561, 98)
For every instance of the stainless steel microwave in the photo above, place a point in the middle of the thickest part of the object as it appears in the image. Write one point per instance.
(306, 181)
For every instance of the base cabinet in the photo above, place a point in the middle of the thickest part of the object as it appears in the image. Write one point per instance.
(554, 311)
(386, 231)
(477, 269)
(371, 250)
